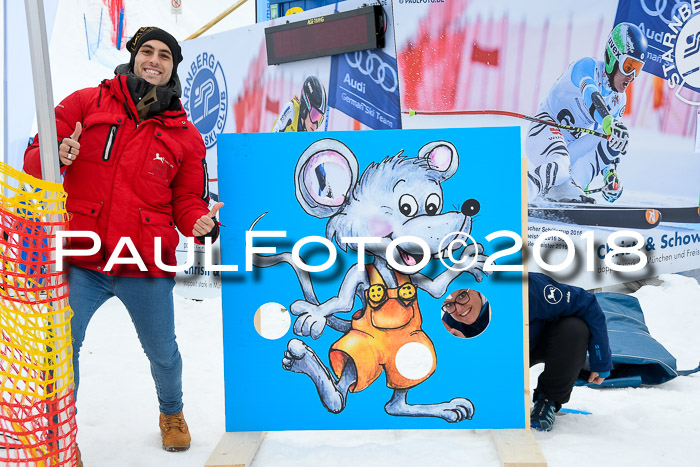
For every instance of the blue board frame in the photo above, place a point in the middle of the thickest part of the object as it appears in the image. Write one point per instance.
(256, 174)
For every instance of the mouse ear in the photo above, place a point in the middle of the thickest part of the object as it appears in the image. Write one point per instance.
(442, 157)
(324, 176)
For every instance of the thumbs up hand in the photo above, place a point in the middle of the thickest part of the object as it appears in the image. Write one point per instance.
(69, 148)
(206, 223)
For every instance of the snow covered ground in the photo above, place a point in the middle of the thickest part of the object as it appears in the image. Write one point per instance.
(118, 414)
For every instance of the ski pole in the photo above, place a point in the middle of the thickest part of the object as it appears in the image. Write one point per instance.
(412, 112)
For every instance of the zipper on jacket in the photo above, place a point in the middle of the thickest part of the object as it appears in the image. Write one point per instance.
(130, 114)
(107, 152)
(205, 191)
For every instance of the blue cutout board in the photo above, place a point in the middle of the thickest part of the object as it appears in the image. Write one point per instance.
(257, 175)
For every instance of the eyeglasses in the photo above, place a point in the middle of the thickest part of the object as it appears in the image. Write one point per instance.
(462, 299)
(630, 65)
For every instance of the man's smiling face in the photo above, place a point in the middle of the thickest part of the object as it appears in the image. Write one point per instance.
(154, 63)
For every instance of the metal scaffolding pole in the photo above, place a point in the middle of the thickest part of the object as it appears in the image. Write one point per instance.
(57, 334)
(43, 94)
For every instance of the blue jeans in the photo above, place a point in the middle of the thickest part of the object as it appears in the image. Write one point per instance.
(149, 301)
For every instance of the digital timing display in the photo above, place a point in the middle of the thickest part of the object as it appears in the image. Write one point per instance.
(349, 31)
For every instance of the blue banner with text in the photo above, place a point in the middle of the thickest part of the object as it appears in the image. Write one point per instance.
(365, 86)
(672, 30)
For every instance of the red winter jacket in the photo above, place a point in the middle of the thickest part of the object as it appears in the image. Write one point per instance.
(129, 180)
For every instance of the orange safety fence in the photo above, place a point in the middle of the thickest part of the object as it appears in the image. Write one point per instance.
(37, 408)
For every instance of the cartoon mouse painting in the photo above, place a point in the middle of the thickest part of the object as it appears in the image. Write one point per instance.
(397, 197)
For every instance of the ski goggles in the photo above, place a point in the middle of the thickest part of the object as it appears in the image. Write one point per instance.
(315, 115)
(629, 65)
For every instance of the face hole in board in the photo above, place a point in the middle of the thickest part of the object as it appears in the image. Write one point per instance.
(272, 320)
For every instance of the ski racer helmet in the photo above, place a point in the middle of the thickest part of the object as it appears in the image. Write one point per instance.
(312, 102)
(626, 48)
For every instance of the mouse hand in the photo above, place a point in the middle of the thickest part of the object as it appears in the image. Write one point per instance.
(473, 254)
(310, 320)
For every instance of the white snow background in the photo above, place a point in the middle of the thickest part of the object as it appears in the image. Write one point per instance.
(118, 413)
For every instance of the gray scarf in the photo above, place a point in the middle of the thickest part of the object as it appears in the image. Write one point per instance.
(150, 99)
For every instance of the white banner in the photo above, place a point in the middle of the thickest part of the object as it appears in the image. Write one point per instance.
(665, 250)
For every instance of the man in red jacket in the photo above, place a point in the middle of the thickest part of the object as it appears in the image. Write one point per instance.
(134, 167)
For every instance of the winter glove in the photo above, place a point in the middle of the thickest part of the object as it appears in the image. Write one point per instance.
(612, 188)
(619, 136)
(603, 374)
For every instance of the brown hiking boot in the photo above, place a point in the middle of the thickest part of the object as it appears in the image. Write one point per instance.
(176, 435)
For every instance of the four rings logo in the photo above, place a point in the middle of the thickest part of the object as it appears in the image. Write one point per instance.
(372, 65)
(205, 97)
(682, 57)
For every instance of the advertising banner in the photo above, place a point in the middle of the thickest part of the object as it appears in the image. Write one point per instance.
(320, 332)
(558, 71)
(266, 10)
(672, 30)
(228, 87)
(365, 86)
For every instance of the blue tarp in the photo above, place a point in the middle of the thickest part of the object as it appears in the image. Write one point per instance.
(638, 358)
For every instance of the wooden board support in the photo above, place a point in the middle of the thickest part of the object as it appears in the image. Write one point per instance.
(518, 448)
(236, 449)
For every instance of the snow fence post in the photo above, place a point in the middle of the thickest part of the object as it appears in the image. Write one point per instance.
(57, 342)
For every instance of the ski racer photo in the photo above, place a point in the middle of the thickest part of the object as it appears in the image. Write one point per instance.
(303, 113)
(589, 94)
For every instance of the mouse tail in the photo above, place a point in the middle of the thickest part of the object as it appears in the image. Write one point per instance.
(260, 261)
(307, 287)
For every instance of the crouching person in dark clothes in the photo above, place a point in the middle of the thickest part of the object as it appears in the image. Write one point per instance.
(565, 322)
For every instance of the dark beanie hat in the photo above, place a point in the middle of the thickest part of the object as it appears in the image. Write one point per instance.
(149, 33)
